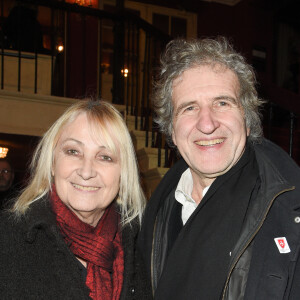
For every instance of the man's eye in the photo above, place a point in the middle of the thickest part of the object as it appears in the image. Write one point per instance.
(189, 108)
(222, 105)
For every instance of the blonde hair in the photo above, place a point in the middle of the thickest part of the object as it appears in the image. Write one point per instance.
(107, 121)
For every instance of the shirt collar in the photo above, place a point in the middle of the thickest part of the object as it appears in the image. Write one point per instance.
(184, 189)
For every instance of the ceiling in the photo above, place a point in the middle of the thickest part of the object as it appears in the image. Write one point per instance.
(284, 10)
(227, 2)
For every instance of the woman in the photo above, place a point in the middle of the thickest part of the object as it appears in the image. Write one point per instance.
(71, 233)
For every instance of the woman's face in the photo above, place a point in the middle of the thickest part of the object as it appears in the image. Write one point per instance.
(86, 173)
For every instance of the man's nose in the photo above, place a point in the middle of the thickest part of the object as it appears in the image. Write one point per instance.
(207, 121)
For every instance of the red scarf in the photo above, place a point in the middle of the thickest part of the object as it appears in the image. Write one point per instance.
(99, 246)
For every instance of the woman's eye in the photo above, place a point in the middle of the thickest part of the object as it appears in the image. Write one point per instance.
(106, 158)
(72, 152)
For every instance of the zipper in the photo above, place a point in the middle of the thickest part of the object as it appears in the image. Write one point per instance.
(252, 237)
(152, 257)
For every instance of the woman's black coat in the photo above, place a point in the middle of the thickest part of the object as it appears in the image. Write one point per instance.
(36, 263)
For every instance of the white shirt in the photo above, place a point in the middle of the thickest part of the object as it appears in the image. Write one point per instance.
(183, 194)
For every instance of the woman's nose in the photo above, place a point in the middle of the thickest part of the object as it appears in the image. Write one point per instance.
(87, 170)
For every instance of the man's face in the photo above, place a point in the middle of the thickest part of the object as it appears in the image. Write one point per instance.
(6, 176)
(208, 123)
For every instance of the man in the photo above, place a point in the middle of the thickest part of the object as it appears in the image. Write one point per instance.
(6, 180)
(224, 223)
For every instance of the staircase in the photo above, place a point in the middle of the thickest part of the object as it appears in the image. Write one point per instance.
(37, 100)
(147, 157)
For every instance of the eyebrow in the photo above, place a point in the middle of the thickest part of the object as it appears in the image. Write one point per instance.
(221, 97)
(79, 142)
(224, 97)
(182, 106)
(71, 140)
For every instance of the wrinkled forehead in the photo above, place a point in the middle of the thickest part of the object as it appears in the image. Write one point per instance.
(101, 129)
(212, 66)
(103, 134)
(208, 74)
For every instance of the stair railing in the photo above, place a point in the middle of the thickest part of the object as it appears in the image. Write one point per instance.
(138, 53)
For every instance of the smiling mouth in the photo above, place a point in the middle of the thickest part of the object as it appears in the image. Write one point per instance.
(85, 188)
(210, 142)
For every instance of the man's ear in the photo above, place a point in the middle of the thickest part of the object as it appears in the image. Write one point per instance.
(174, 137)
(248, 131)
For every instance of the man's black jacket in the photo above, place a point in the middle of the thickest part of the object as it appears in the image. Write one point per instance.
(258, 271)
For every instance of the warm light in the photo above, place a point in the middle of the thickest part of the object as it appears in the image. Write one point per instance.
(125, 72)
(105, 68)
(3, 152)
(84, 2)
(60, 48)
(60, 45)
(90, 3)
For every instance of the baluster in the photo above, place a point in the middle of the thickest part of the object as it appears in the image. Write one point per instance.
(2, 43)
(292, 124)
(100, 55)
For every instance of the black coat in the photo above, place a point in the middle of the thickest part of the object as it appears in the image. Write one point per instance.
(257, 271)
(37, 264)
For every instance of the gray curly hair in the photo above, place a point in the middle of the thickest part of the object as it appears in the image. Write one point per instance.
(181, 55)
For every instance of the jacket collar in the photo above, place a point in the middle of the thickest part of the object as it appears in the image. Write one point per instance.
(272, 184)
(39, 217)
(277, 172)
